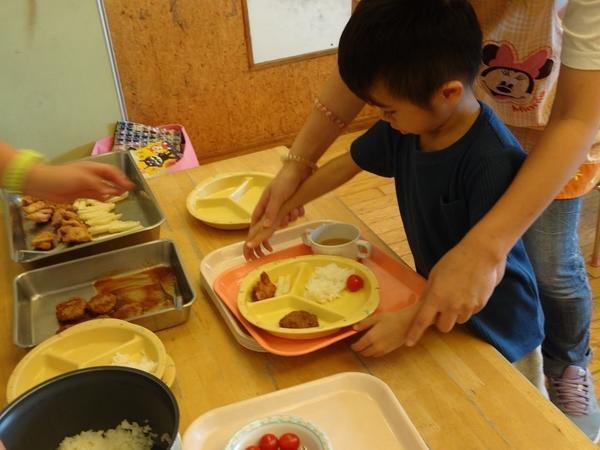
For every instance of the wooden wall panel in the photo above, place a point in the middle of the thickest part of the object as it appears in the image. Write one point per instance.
(186, 61)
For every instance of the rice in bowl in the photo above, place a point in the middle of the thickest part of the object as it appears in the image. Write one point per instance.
(126, 436)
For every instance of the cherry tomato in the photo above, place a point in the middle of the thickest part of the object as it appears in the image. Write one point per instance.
(354, 283)
(253, 447)
(289, 441)
(268, 442)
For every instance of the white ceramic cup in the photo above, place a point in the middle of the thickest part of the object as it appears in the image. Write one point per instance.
(339, 239)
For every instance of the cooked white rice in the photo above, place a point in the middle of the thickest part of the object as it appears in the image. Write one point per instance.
(126, 436)
(327, 282)
(142, 363)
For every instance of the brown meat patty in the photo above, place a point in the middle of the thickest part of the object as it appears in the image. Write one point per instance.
(71, 310)
(299, 319)
(102, 303)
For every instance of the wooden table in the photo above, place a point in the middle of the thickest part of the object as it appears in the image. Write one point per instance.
(459, 392)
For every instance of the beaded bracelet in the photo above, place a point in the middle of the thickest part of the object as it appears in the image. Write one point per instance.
(14, 174)
(299, 159)
(329, 114)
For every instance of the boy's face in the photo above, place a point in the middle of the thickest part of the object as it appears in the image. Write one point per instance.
(404, 115)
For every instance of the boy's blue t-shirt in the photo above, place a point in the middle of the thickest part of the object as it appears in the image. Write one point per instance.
(442, 195)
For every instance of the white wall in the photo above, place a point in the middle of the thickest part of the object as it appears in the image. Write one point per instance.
(57, 90)
(285, 28)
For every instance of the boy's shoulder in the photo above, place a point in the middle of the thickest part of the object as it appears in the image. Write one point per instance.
(492, 137)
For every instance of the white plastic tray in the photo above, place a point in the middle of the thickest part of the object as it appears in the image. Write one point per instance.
(230, 256)
(357, 411)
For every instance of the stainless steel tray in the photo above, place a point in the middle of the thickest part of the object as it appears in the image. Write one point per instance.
(139, 205)
(37, 292)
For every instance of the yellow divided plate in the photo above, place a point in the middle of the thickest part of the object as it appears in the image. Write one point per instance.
(227, 200)
(169, 375)
(345, 310)
(87, 344)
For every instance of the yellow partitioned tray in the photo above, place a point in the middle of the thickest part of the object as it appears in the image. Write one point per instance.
(227, 200)
(306, 278)
(88, 344)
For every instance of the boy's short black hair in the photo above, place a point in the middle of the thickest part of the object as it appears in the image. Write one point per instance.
(412, 46)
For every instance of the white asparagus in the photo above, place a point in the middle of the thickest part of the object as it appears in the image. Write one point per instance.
(103, 220)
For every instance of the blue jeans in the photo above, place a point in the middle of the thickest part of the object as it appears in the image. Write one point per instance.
(553, 247)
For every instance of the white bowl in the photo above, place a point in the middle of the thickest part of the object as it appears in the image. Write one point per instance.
(311, 437)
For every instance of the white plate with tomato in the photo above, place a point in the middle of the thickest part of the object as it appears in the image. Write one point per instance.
(280, 432)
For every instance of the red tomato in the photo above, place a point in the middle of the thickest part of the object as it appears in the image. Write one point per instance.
(354, 283)
(268, 442)
(253, 447)
(289, 441)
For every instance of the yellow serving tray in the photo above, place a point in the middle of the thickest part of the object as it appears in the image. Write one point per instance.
(347, 309)
(227, 200)
(88, 344)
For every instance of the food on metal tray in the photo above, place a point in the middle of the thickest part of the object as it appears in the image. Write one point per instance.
(102, 304)
(70, 234)
(299, 319)
(101, 218)
(41, 215)
(264, 288)
(122, 297)
(71, 310)
(75, 223)
(44, 240)
(128, 310)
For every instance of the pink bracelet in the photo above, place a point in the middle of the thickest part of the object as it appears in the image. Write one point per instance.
(299, 159)
(329, 114)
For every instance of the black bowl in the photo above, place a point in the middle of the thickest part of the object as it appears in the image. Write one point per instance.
(97, 398)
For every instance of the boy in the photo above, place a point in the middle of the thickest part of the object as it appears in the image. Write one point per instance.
(451, 159)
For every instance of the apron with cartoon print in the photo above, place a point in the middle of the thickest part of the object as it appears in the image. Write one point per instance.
(521, 61)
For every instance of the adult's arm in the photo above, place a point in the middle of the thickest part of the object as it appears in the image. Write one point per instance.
(462, 281)
(316, 135)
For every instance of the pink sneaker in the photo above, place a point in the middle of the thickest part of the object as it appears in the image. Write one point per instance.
(573, 393)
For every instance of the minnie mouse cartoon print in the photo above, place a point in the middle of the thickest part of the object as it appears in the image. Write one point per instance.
(509, 79)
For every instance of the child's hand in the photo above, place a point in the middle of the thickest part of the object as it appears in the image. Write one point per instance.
(258, 237)
(387, 332)
(67, 182)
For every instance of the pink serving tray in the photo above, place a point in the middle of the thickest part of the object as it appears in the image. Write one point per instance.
(399, 285)
(357, 411)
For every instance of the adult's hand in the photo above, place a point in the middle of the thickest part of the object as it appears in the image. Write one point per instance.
(67, 182)
(458, 286)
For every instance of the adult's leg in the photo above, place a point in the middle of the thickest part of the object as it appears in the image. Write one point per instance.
(553, 247)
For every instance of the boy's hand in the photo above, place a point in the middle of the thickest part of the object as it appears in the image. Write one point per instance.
(258, 237)
(387, 332)
(459, 285)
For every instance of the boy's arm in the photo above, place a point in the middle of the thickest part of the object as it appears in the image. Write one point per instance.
(461, 283)
(332, 175)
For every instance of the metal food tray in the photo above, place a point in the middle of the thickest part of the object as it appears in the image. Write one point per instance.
(37, 292)
(232, 255)
(139, 205)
